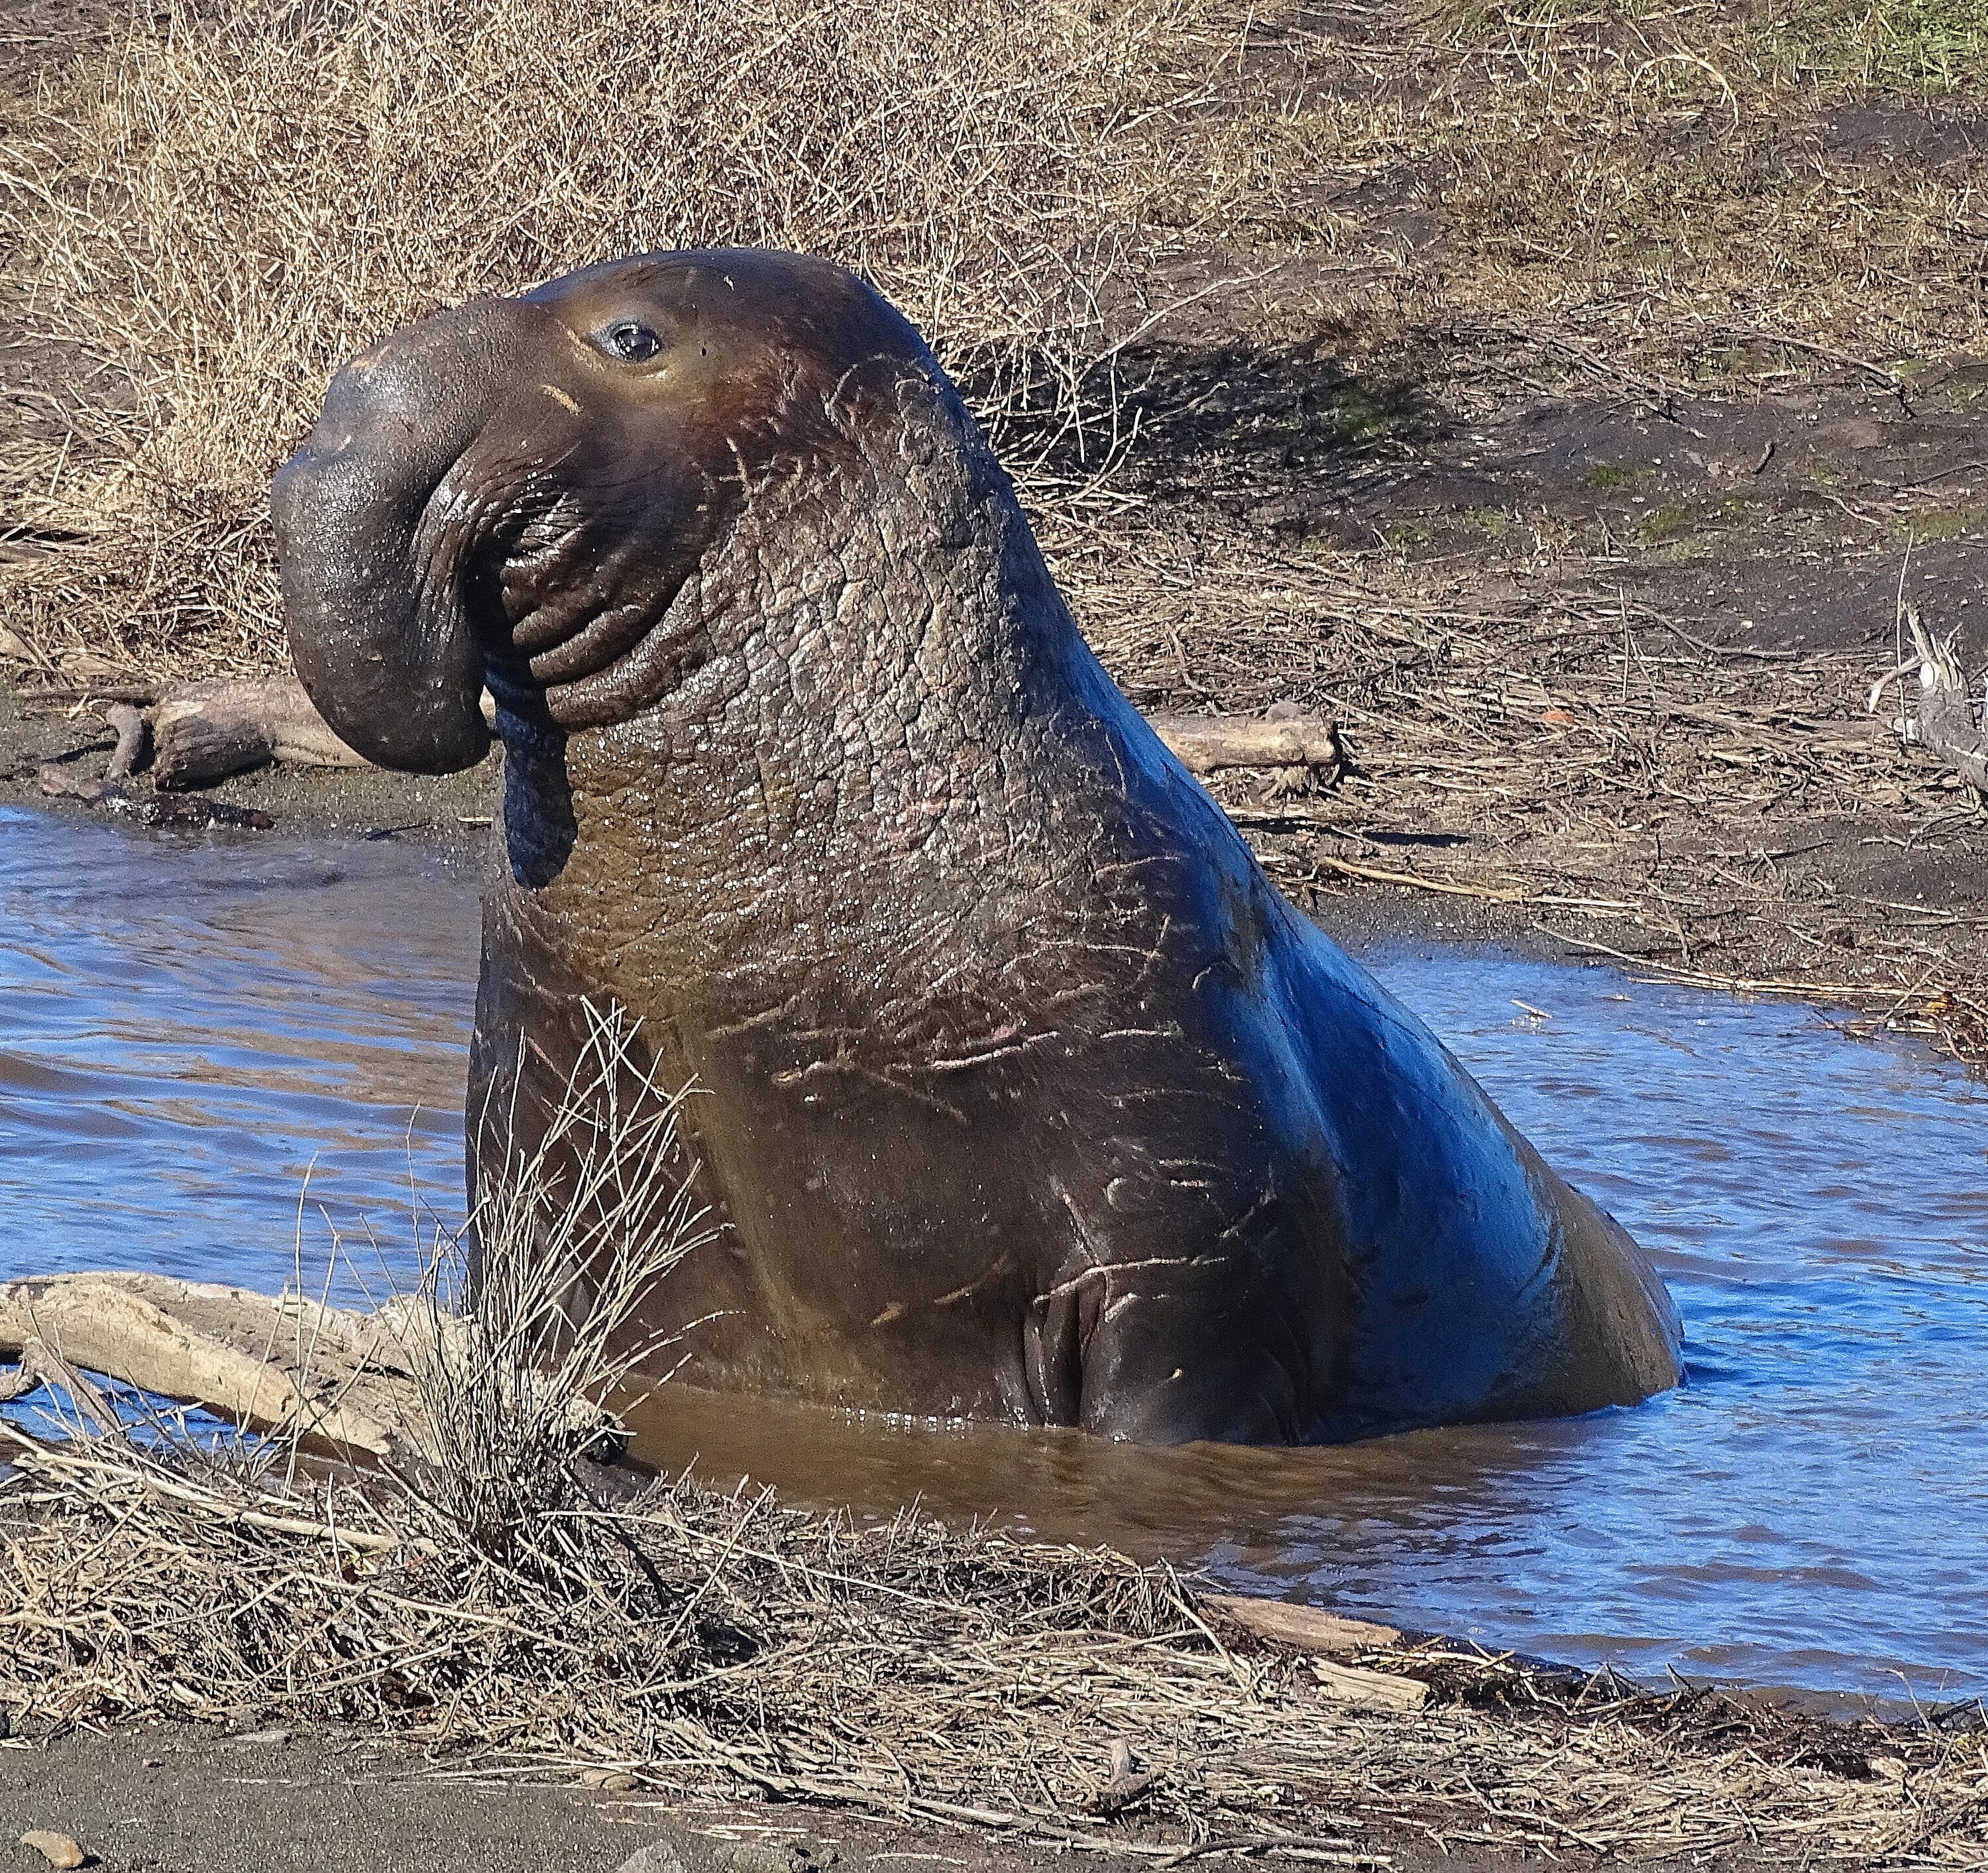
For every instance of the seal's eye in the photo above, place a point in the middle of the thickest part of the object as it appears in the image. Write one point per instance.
(633, 341)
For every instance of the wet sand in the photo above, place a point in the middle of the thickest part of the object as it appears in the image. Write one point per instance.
(172, 1801)
(163, 1799)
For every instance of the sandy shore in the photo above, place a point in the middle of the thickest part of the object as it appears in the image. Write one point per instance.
(177, 1798)
(165, 1798)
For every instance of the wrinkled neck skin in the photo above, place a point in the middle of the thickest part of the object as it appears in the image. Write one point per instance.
(864, 726)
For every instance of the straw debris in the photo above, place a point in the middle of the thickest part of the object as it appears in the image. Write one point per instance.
(723, 1645)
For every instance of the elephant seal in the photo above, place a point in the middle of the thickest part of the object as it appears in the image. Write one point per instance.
(1024, 1095)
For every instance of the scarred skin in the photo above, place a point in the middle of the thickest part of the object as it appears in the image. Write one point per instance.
(1023, 1093)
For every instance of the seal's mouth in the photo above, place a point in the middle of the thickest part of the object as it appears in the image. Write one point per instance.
(568, 584)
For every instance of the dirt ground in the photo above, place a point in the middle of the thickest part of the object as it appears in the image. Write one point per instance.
(183, 1799)
(186, 1798)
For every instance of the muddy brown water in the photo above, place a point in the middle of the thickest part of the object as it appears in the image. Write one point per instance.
(191, 1026)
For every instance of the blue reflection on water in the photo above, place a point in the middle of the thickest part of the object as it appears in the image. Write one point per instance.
(188, 1027)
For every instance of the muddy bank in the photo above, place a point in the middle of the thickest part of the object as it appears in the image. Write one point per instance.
(70, 731)
(730, 1657)
(1526, 769)
(174, 1797)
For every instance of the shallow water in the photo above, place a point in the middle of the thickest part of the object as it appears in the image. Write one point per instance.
(188, 1025)
(192, 1025)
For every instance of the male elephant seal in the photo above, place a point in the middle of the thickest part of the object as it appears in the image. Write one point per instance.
(1024, 1093)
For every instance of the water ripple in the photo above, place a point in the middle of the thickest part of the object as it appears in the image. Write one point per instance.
(188, 1027)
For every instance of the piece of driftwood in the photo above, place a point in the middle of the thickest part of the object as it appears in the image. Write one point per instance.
(205, 731)
(1205, 743)
(342, 1381)
(1327, 1638)
(134, 740)
(345, 1384)
(1942, 719)
(1366, 1690)
(150, 810)
(1305, 1628)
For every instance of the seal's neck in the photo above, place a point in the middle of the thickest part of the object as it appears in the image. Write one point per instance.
(890, 746)
(872, 638)
(888, 594)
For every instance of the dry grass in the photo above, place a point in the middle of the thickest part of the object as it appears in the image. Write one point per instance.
(530, 1319)
(1709, 193)
(241, 196)
(211, 217)
(723, 1645)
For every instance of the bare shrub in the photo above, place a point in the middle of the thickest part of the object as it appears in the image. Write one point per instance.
(247, 193)
(525, 1338)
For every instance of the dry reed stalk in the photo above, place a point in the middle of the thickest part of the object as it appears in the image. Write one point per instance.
(529, 1318)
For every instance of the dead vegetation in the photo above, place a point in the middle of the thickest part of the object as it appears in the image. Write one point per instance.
(238, 197)
(202, 224)
(725, 1645)
(1571, 760)
(1627, 197)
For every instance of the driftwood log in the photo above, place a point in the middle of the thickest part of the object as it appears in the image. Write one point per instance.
(343, 1383)
(205, 731)
(202, 732)
(1307, 1628)
(1204, 743)
(203, 727)
(1329, 1638)
(1942, 719)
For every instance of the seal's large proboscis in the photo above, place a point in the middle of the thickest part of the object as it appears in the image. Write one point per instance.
(1023, 1094)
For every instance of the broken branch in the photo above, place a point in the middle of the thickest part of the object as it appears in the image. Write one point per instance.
(1205, 743)
(1942, 719)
